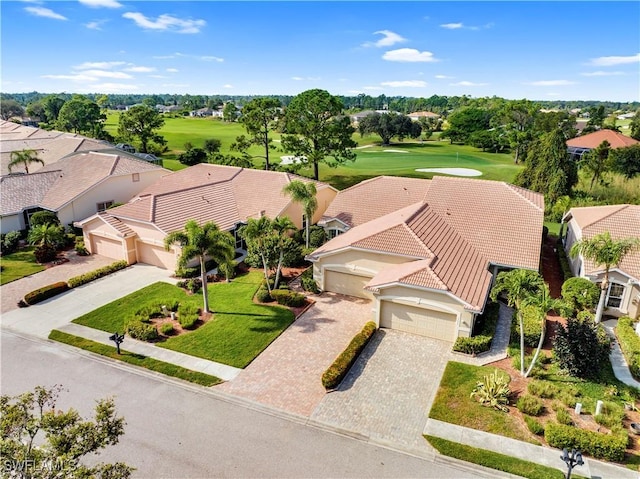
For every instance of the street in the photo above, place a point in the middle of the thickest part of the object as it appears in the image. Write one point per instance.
(179, 431)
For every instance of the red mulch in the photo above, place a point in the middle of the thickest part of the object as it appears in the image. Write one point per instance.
(552, 274)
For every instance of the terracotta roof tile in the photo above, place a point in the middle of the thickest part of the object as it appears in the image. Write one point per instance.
(115, 223)
(398, 239)
(593, 140)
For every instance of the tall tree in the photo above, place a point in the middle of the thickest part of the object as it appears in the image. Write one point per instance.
(258, 235)
(316, 130)
(597, 162)
(626, 160)
(141, 122)
(548, 167)
(201, 242)
(635, 126)
(305, 194)
(52, 442)
(517, 119)
(10, 108)
(79, 115)
(52, 105)
(463, 122)
(230, 112)
(389, 125)
(518, 285)
(24, 158)
(607, 252)
(260, 118)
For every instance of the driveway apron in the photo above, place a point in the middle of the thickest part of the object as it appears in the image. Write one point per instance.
(287, 375)
(388, 392)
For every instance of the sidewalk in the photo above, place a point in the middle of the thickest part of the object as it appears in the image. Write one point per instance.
(523, 450)
(618, 362)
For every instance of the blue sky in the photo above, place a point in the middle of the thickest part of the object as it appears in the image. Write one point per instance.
(535, 50)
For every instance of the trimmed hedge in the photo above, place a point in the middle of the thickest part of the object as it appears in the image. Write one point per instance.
(530, 405)
(475, 345)
(534, 426)
(484, 330)
(288, 298)
(45, 292)
(630, 345)
(532, 327)
(601, 446)
(98, 273)
(263, 296)
(307, 282)
(563, 260)
(142, 331)
(338, 370)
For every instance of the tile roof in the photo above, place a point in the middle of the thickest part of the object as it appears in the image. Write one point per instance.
(621, 221)
(122, 229)
(593, 140)
(374, 198)
(18, 192)
(225, 195)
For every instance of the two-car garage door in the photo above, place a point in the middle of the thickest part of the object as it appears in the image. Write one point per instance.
(345, 283)
(107, 247)
(412, 319)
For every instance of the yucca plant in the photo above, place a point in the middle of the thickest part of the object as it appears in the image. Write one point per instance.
(493, 391)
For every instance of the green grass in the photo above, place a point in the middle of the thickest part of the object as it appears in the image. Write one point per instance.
(239, 331)
(18, 265)
(135, 359)
(495, 460)
(454, 405)
(554, 228)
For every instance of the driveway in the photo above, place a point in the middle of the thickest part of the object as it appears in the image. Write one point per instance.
(388, 392)
(15, 291)
(287, 375)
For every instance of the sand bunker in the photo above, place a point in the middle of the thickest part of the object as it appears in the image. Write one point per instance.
(290, 160)
(395, 151)
(452, 171)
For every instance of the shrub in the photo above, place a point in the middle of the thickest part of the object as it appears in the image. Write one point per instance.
(10, 241)
(317, 236)
(337, 371)
(288, 298)
(185, 309)
(611, 416)
(172, 305)
(97, 273)
(195, 271)
(485, 324)
(630, 344)
(568, 399)
(543, 389)
(166, 329)
(534, 426)
(80, 248)
(45, 292)
(580, 293)
(581, 348)
(188, 321)
(475, 345)
(45, 253)
(563, 260)
(263, 296)
(307, 282)
(142, 331)
(149, 311)
(532, 327)
(44, 218)
(602, 446)
(531, 405)
(493, 391)
(563, 417)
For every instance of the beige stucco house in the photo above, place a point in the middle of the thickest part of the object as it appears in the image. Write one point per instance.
(74, 187)
(621, 221)
(428, 265)
(225, 195)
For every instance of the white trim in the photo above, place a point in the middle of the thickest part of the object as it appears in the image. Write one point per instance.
(466, 306)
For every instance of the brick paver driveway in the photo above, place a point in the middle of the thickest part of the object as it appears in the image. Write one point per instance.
(388, 392)
(287, 375)
(15, 291)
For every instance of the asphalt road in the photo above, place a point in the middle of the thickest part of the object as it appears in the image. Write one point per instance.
(179, 431)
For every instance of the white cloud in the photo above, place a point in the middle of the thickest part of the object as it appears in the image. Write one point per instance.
(409, 55)
(551, 83)
(113, 87)
(614, 60)
(467, 83)
(601, 74)
(209, 58)
(166, 23)
(97, 25)
(157, 76)
(227, 86)
(80, 77)
(101, 3)
(97, 65)
(106, 74)
(136, 69)
(45, 12)
(452, 26)
(405, 83)
(297, 78)
(372, 88)
(443, 77)
(173, 70)
(388, 39)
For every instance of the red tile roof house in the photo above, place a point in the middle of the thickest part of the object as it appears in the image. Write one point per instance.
(621, 221)
(226, 195)
(74, 187)
(425, 251)
(580, 145)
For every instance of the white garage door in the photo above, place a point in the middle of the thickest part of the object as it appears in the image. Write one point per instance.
(107, 247)
(425, 322)
(345, 283)
(155, 255)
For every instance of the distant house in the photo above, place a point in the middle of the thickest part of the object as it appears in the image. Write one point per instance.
(356, 117)
(416, 115)
(74, 187)
(226, 195)
(202, 112)
(168, 109)
(621, 221)
(580, 145)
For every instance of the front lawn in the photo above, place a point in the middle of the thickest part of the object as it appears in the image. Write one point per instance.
(238, 332)
(18, 265)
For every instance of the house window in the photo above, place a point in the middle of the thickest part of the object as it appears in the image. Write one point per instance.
(240, 243)
(135, 177)
(614, 295)
(333, 232)
(104, 205)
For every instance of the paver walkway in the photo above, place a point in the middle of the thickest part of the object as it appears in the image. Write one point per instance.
(13, 292)
(618, 362)
(287, 375)
(388, 392)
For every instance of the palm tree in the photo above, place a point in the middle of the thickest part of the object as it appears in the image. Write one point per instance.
(518, 285)
(604, 251)
(543, 303)
(46, 235)
(305, 194)
(201, 242)
(24, 157)
(257, 232)
(282, 228)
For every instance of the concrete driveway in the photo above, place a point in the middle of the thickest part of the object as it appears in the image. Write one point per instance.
(287, 375)
(388, 393)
